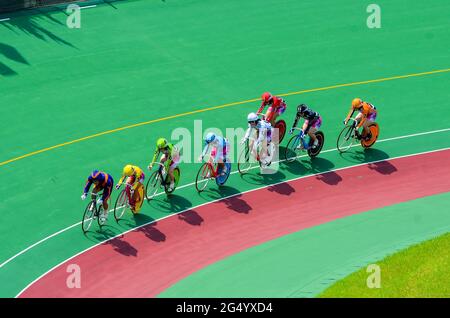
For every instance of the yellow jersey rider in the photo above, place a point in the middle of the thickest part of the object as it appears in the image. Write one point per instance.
(135, 177)
(170, 158)
(367, 115)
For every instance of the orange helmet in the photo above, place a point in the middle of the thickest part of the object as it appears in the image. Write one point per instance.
(266, 97)
(356, 103)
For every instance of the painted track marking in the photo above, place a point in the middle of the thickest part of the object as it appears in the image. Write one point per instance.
(219, 107)
(224, 198)
(193, 183)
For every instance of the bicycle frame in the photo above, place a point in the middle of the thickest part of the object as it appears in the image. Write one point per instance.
(302, 138)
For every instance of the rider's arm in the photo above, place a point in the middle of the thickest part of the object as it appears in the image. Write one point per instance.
(297, 117)
(363, 119)
(261, 108)
(247, 133)
(205, 149)
(155, 156)
(121, 180)
(88, 185)
(350, 114)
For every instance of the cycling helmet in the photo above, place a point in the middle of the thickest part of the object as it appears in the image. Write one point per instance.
(161, 143)
(128, 170)
(210, 137)
(95, 174)
(266, 97)
(356, 103)
(252, 117)
(301, 108)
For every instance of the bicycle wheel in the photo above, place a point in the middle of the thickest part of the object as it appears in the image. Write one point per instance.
(345, 139)
(374, 130)
(100, 219)
(313, 152)
(245, 160)
(152, 186)
(281, 126)
(121, 205)
(291, 150)
(203, 176)
(88, 216)
(220, 180)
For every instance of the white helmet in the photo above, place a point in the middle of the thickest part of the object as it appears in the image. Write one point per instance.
(252, 117)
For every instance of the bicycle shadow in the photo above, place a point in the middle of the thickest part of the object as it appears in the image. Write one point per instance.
(12, 54)
(282, 188)
(362, 155)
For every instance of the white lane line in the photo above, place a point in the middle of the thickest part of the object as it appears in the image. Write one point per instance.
(88, 7)
(224, 198)
(6, 19)
(192, 183)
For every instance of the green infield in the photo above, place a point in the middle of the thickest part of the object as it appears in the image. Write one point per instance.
(421, 270)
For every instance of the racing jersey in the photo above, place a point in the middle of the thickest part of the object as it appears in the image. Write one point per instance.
(219, 143)
(309, 115)
(170, 151)
(366, 110)
(99, 176)
(262, 127)
(137, 173)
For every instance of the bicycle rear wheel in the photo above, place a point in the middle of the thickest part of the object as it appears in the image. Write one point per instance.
(281, 126)
(291, 149)
(88, 217)
(345, 139)
(203, 177)
(313, 152)
(153, 184)
(121, 205)
(374, 130)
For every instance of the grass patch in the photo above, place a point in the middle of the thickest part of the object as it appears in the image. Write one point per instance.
(421, 271)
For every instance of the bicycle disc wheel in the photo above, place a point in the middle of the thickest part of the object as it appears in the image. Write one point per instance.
(281, 126)
(203, 177)
(88, 217)
(152, 186)
(245, 160)
(374, 130)
(345, 139)
(313, 152)
(291, 149)
(221, 179)
(121, 205)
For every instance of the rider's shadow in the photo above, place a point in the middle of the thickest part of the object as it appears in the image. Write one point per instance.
(322, 168)
(231, 197)
(191, 217)
(122, 247)
(151, 232)
(171, 203)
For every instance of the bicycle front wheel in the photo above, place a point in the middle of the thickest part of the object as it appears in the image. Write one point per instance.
(245, 160)
(345, 139)
(101, 221)
(153, 184)
(121, 205)
(88, 216)
(291, 149)
(203, 177)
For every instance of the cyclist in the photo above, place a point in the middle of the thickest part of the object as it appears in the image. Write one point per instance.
(101, 181)
(367, 115)
(264, 137)
(219, 151)
(312, 123)
(277, 106)
(170, 158)
(135, 177)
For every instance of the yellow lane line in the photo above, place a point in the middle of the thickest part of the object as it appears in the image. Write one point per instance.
(219, 107)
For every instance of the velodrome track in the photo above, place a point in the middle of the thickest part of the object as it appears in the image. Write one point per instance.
(68, 91)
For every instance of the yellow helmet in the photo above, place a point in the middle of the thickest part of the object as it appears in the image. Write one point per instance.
(128, 170)
(356, 103)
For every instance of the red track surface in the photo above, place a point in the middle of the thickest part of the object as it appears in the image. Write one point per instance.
(145, 262)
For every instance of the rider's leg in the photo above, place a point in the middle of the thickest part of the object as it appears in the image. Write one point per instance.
(367, 134)
(358, 120)
(312, 135)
